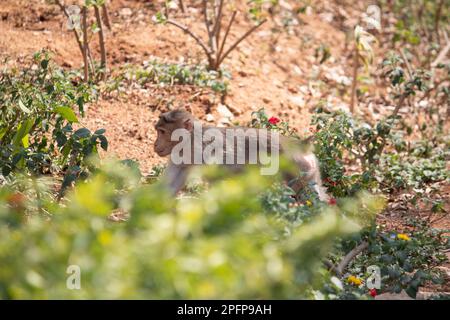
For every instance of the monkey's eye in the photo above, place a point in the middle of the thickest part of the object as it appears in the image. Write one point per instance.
(161, 131)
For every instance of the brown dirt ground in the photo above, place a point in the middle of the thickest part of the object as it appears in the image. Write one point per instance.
(264, 73)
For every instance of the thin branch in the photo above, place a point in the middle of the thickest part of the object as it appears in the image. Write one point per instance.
(90, 58)
(211, 39)
(437, 19)
(405, 59)
(441, 56)
(240, 40)
(77, 36)
(205, 15)
(85, 41)
(399, 105)
(350, 256)
(330, 266)
(393, 115)
(193, 35)
(106, 16)
(218, 21)
(101, 38)
(353, 97)
(222, 46)
(182, 7)
(436, 86)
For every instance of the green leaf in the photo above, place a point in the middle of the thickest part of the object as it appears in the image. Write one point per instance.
(22, 131)
(103, 142)
(3, 132)
(26, 141)
(23, 107)
(82, 133)
(67, 113)
(44, 63)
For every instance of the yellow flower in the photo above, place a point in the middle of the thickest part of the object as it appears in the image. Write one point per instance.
(403, 236)
(354, 280)
(308, 203)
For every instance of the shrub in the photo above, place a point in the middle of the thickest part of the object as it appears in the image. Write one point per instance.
(159, 73)
(215, 245)
(38, 122)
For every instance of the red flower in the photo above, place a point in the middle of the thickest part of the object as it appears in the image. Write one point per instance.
(373, 292)
(274, 120)
(332, 201)
(330, 182)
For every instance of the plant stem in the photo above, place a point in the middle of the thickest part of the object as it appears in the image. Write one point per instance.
(350, 256)
(354, 98)
(101, 38)
(193, 35)
(218, 22)
(182, 7)
(437, 20)
(211, 39)
(239, 41)
(85, 45)
(77, 36)
(222, 46)
(106, 16)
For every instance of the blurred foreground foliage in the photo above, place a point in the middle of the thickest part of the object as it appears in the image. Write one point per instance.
(219, 244)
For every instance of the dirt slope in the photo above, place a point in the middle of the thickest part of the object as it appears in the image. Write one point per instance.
(269, 70)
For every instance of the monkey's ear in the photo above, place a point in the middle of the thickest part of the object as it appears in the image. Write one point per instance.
(188, 124)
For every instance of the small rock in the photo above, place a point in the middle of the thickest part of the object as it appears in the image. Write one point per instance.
(125, 12)
(297, 70)
(209, 117)
(172, 5)
(292, 90)
(67, 64)
(223, 122)
(394, 296)
(234, 110)
(298, 101)
(277, 83)
(327, 17)
(224, 111)
(243, 73)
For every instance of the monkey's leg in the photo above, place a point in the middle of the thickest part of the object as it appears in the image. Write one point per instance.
(309, 166)
(320, 189)
(175, 178)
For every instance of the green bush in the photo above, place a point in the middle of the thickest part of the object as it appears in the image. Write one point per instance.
(169, 74)
(38, 119)
(216, 245)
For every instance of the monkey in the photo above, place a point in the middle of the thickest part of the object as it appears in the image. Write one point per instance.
(232, 154)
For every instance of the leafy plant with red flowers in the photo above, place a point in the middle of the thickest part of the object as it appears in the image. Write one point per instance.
(332, 201)
(261, 120)
(274, 120)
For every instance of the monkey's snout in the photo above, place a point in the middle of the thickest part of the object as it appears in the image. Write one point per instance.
(161, 151)
(157, 149)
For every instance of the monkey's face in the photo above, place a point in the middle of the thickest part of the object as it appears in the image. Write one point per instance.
(167, 124)
(163, 144)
